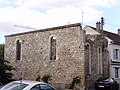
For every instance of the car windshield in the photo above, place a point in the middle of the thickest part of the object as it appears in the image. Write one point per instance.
(14, 86)
(103, 79)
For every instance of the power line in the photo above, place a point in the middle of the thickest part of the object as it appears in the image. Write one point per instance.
(112, 24)
(27, 27)
(103, 22)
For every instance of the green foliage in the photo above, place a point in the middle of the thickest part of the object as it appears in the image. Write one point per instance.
(5, 68)
(76, 80)
(38, 78)
(46, 78)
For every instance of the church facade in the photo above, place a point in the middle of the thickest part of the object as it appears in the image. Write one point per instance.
(62, 52)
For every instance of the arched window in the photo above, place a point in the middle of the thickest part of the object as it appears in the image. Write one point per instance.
(89, 58)
(100, 63)
(18, 50)
(53, 48)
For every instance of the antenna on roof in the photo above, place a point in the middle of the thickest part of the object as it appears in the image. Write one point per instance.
(82, 18)
(27, 27)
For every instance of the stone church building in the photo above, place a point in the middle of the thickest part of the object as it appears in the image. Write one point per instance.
(62, 52)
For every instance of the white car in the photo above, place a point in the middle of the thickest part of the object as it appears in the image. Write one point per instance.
(27, 85)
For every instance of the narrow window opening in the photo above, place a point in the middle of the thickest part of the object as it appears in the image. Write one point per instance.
(18, 50)
(100, 63)
(89, 59)
(53, 48)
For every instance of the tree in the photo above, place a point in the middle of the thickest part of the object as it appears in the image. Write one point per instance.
(5, 68)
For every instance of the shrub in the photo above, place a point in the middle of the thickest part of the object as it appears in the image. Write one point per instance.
(38, 78)
(76, 80)
(46, 78)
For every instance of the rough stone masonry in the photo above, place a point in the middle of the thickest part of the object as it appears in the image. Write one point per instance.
(70, 53)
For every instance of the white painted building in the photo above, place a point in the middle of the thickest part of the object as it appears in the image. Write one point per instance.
(113, 49)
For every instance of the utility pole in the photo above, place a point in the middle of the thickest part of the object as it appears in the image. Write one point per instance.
(102, 23)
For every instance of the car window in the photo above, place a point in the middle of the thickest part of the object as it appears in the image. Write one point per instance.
(103, 79)
(14, 86)
(111, 80)
(36, 87)
(19, 87)
(46, 87)
(106, 79)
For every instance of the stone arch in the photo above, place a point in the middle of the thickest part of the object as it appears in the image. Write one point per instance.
(53, 47)
(18, 49)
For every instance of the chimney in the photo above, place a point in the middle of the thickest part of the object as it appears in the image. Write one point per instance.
(98, 26)
(119, 32)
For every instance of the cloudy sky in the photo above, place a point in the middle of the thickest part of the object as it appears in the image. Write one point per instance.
(38, 14)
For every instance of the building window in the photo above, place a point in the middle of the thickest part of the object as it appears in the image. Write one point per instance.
(89, 58)
(100, 63)
(116, 73)
(116, 54)
(18, 50)
(53, 48)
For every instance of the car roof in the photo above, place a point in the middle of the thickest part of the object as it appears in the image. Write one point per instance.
(29, 82)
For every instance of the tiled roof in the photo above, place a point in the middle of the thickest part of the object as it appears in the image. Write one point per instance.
(110, 35)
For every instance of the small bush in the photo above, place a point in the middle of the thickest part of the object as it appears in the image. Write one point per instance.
(46, 78)
(38, 78)
(76, 80)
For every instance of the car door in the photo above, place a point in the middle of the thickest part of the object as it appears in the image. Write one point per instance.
(46, 87)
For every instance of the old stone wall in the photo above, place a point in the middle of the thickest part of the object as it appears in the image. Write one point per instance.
(95, 42)
(35, 54)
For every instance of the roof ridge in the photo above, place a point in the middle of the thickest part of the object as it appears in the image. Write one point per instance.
(103, 30)
(113, 36)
